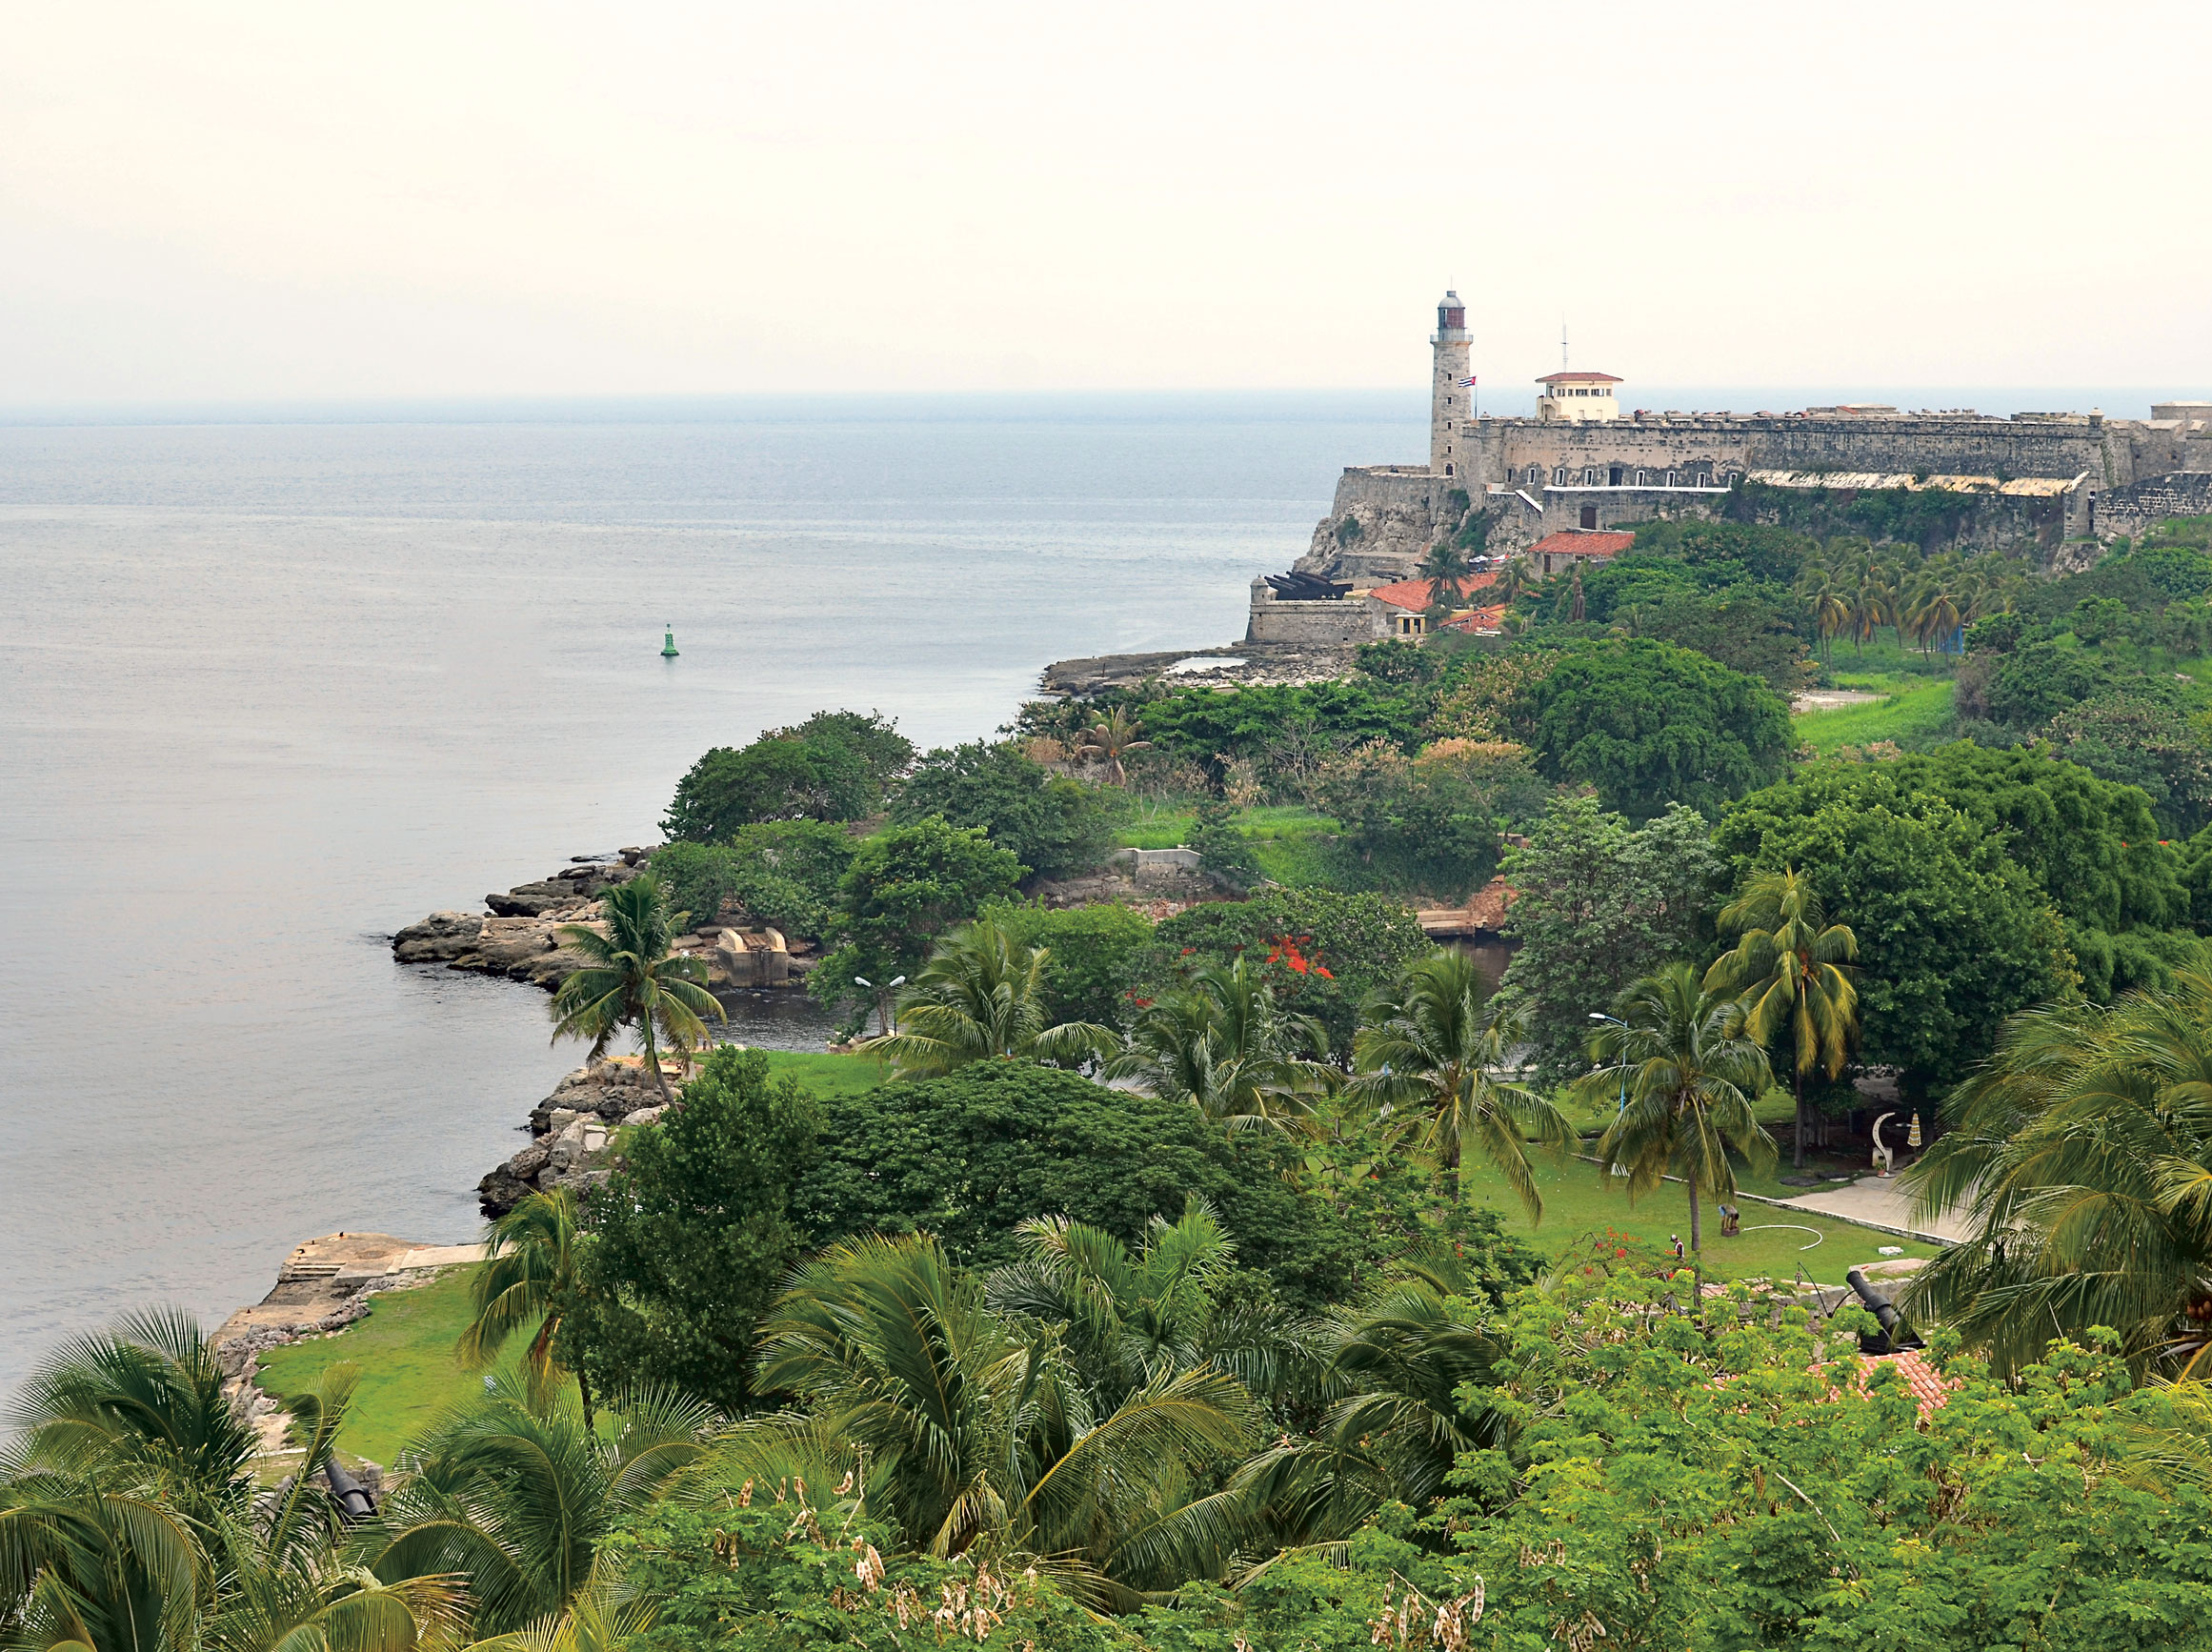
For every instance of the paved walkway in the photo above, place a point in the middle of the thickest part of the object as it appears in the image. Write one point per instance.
(1881, 1201)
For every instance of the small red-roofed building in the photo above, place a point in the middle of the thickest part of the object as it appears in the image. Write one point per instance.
(1554, 552)
(1405, 605)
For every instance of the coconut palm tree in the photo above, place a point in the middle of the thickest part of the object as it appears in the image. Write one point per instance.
(636, 978)
(129, 1520)
(1444, 565)
(980, 998)
(1111, 739)
(1431, 1050)
(1689, 1077)
(1823, 587)
(1221, 1042)
(1517, 575)
(1791, 973)
(516, 1496)
(1397, 1365)
(2080, 1157)
(980, 1429)
(525, 1284)
(140, 1404)
(1131, 1320)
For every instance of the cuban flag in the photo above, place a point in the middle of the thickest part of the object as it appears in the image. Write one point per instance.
(1467, 384)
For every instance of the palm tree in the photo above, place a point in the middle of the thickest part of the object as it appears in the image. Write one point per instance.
(1433, 1047)
(1824, 591)
(1444, 565)
(1109, 739)
(527, 1281)
(978, 1428)
(1396, 1367)
(141, 1405)
(516, 1496)
(636, 978)
(127, 1521)
(1791, 973)
(1517, 575)
(2080, 1158)
(1132, 1320)
(1222, 1043)
(1678, 1056)
(980, 998)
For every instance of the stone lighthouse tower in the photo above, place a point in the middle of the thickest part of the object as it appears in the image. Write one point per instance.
(1448, 395)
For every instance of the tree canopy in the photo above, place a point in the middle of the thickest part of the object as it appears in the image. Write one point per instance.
(1052, 824)
(688, 1240)
(1649, 723)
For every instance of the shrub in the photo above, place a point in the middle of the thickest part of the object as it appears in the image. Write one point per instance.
(1349, 945)
(972, 1155)
(1093, 952)
(1054, 825)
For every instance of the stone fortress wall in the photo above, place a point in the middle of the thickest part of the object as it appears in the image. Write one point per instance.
(2050, 477)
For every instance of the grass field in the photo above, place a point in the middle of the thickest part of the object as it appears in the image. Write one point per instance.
(1579, 1199)
(1166, 826)
(1914, 706)
(405, 1349)
(828, 1074)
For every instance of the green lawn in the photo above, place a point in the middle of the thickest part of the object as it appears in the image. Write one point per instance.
(1158, 825)
(1579, 1200)
(827, 1075)
(405, 1349)
(1913, 708)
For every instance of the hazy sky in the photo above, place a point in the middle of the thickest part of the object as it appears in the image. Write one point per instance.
(215, 201)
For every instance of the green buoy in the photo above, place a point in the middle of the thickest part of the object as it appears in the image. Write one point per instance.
(668, 648)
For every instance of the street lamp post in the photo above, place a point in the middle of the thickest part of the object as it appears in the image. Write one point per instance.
(882, 999)
(1602, 1015)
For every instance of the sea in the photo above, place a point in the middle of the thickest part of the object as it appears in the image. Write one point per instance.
(276, 681)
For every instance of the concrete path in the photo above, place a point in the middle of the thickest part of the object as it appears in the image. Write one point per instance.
(1881, 1202)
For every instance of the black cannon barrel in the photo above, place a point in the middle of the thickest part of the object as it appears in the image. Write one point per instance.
(1895, 1334)
(356, 1503)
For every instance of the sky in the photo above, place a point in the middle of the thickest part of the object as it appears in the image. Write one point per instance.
(469, 199)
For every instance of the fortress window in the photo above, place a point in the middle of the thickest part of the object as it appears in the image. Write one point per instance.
(1559, 476)
(1674, 480)
(1536, 474)
(1589, 475)
(1644, 478)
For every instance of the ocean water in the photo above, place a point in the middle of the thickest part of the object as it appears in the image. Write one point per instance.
(271, 690)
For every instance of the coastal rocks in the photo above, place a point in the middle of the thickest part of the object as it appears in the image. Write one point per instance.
(438, 938)
(570, 887)
(571, 1132)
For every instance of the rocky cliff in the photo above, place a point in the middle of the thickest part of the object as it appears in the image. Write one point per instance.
(571, 1131)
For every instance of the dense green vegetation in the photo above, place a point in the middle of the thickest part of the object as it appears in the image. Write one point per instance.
(1256, 1277)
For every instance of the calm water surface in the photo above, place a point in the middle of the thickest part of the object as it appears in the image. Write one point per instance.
(268, 691)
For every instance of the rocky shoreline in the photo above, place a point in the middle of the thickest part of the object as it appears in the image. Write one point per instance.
(570, 1131)
(518, 934)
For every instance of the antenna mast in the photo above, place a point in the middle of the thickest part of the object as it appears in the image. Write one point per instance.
(1562, 344)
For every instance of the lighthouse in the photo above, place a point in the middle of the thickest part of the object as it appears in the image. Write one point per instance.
(1448, 398)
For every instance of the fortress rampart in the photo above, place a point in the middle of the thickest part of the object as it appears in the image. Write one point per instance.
(2048, 478)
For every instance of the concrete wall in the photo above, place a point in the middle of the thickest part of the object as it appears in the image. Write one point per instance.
(1321, 624)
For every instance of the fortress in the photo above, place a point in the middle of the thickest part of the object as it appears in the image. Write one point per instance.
(1585, 464)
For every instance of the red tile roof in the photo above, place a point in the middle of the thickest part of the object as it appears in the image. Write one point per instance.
(1912, 1366)
(1484, 621)
(1581, 542)
(1414, 594)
